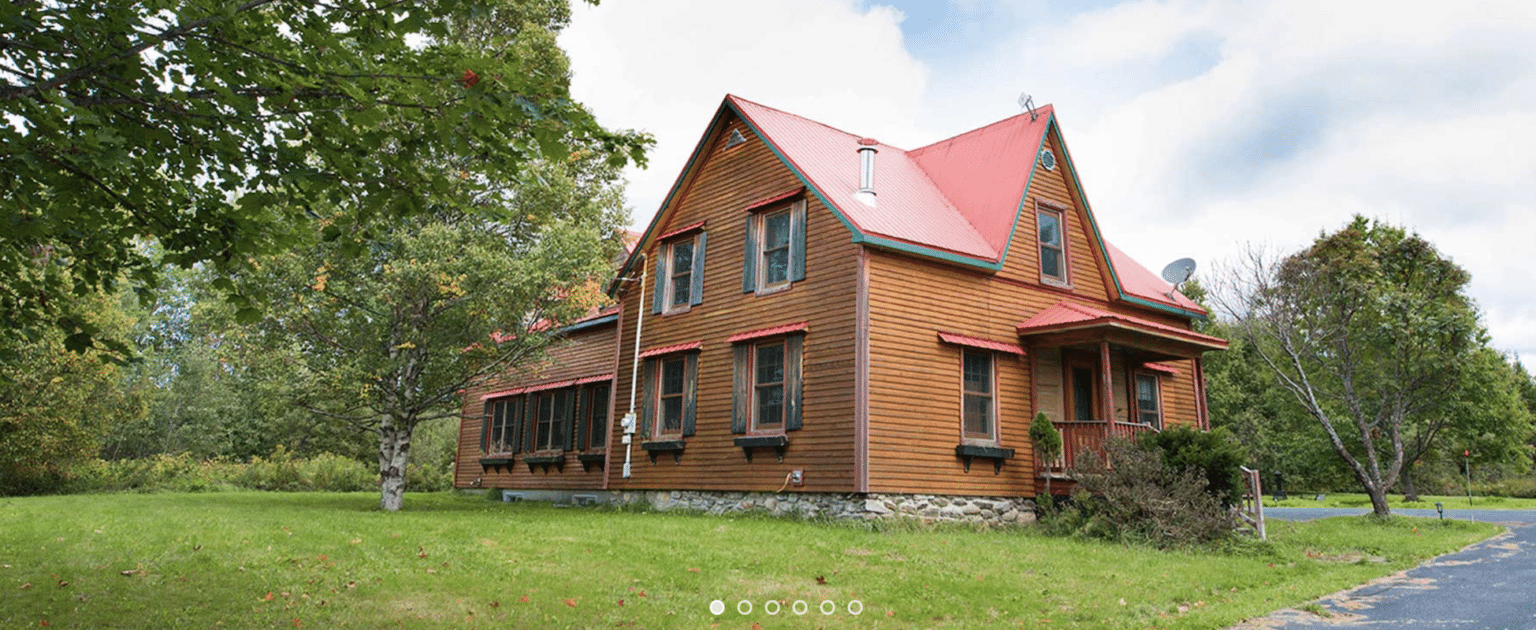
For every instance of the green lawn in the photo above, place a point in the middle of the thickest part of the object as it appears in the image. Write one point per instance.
(1360, 500)
(262, 560)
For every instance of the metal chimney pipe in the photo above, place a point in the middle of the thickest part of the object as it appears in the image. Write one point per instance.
(867, 153)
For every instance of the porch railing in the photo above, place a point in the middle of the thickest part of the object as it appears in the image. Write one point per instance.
(1087, 436)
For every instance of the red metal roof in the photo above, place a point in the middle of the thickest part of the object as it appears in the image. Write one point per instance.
(683, 230)
(772, 199)
(979, 342)
(767, 332)
(528, 389)
(1139, 281)
(909, 207)
(984, 172)
(680, 347)
(1066, 315)
(1159, 367)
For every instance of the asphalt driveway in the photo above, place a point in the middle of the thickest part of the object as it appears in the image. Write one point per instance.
(1490, 585)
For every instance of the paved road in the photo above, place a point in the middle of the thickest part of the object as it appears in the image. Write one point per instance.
(1490, 585)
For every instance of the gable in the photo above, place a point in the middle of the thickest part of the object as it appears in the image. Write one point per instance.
(1054, 190)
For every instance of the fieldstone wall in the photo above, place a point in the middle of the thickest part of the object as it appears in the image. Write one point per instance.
(927, 508)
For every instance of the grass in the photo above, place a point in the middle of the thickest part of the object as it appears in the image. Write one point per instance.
(324, 560)
(1360, 500)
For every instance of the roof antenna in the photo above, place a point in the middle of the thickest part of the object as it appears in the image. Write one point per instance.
(1028, 103)
(1177, 272)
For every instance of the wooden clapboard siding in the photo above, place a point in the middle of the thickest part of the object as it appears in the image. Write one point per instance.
(914, 405)
(584, 353)
(1084, 265)
(723, 184)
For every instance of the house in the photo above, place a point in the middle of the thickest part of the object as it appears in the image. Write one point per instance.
(819, 321)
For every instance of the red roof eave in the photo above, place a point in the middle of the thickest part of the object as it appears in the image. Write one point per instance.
(679, 347)
(767, 332)
(980, 343)
(529, 389)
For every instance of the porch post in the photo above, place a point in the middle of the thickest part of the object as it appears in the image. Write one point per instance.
(1107, 393)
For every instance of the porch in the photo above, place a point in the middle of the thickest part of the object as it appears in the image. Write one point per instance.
(1099, 375)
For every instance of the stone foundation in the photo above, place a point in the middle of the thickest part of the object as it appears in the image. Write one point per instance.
(927, 508)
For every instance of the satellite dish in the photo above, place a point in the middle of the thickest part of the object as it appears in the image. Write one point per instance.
(1178, 271)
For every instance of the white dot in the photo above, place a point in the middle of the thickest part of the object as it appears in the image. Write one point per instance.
(717, 607)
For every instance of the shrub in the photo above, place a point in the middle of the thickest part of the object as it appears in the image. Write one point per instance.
(1213, 456)
(1142, 498)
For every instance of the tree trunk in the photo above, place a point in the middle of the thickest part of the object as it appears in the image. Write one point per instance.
(394, 453)
(1379, 506)
(1410, 490)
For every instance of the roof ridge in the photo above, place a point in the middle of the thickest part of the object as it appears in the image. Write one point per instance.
(1048, 109)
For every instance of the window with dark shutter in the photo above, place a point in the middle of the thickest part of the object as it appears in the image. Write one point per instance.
(775, 249)
(680, 274)
(765, 395)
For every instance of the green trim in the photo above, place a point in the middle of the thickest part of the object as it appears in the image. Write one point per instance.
(806, 181)
(598, 321)
(886, 243)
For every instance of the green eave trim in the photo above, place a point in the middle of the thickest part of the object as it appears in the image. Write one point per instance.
(886, 243)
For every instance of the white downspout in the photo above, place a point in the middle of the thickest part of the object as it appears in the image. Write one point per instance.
(634, 374)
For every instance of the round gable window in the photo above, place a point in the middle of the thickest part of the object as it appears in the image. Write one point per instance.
(1048, 159)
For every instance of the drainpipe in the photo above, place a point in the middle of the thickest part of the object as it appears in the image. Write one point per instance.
(634, 372)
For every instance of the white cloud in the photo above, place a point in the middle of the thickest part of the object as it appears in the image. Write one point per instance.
(665, 66)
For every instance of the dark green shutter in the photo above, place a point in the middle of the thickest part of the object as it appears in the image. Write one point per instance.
(797, 242)
(530, 421)
(741, 387)
(648, 400)
(793, 345)
(749, 264)
(579, 425)
(690, 392)
(661, 281)
(696, 295)
(485, 428)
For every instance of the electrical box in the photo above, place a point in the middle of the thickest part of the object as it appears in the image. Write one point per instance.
(797, 477)
(628, 424)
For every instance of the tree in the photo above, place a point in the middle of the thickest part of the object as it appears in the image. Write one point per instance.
(1483, 416)
(226, 130)
(55, 403)
(390, 339)
(1047, 442)
(1366, 328)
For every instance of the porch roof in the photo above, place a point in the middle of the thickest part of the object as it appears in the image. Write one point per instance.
(1067, 323)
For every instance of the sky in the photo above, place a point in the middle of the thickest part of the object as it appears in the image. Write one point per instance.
(1198, 128)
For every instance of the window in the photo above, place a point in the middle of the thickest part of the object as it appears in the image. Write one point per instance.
(680, 275)
(766, 395)
(1149, 408)
(977, 407)
(597, 417)
(501, 421)
(553, 417)
(1053, 252)
(775, 249)
(670, 383)
(768, 390)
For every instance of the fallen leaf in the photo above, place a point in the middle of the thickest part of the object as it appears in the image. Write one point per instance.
(890, 613)
(431, 571)
(63, 583)
(692, 570)
(296, 622)
(44, 623)
(570, 602)
(621, 602)
(1122, 601)
(128, 573)
(642, 593)
(522, 600)
(323, 558)
(268, 598)
(351, 584)
(496, 604)
(27, 585)
(755, 626)
(821, 579)
(355, 541)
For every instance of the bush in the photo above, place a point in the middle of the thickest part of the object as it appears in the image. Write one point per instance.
(1143, 498)
(1213, 456)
